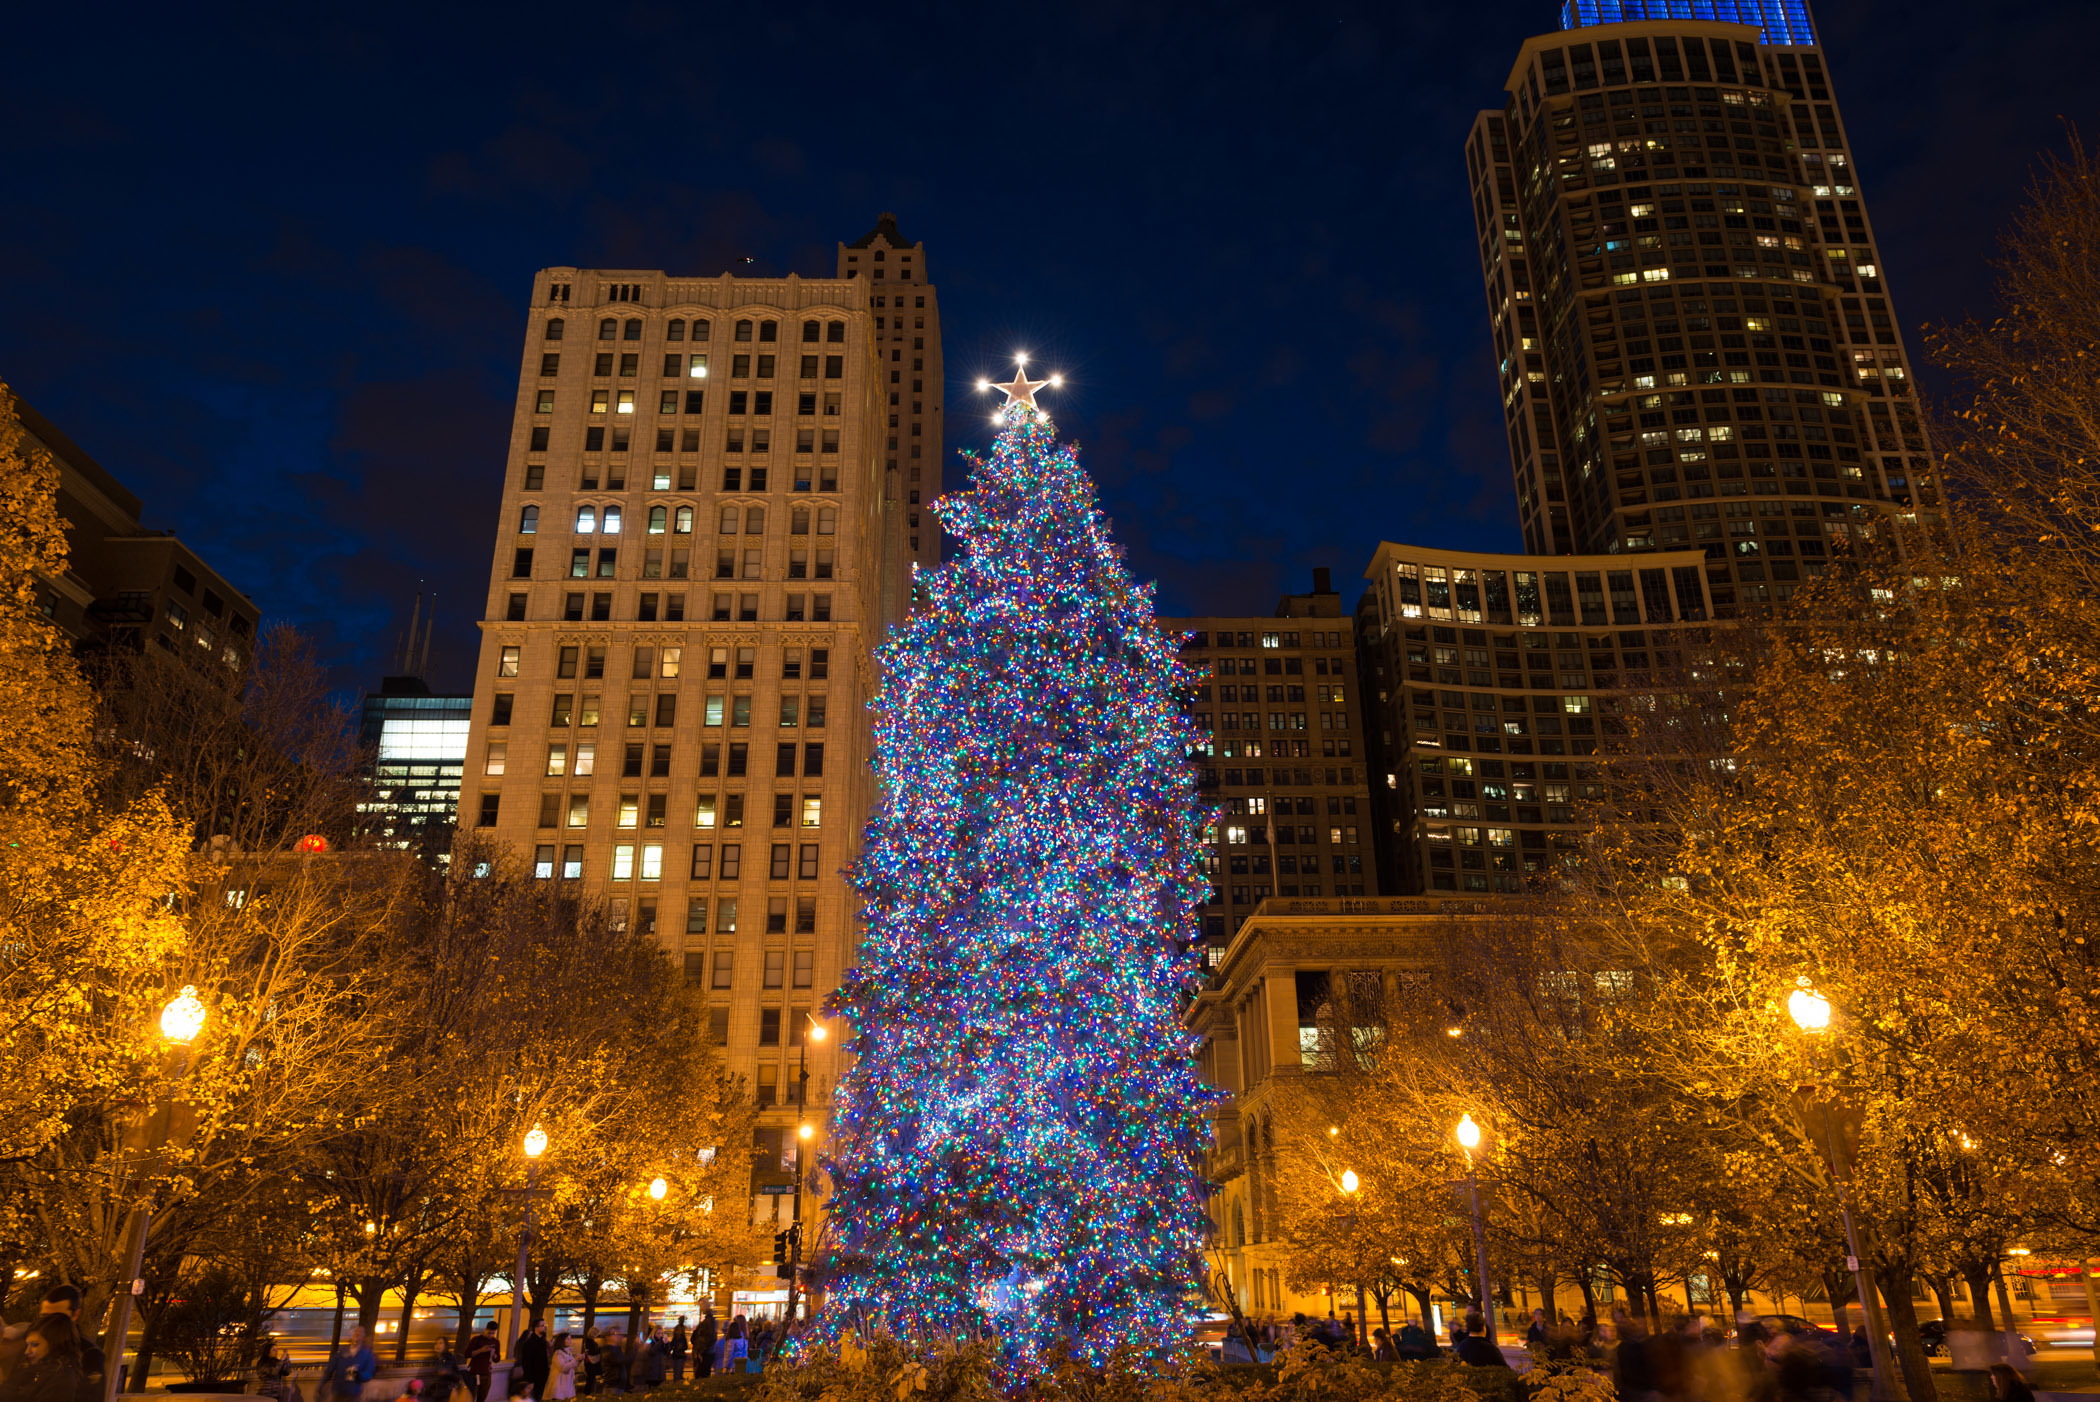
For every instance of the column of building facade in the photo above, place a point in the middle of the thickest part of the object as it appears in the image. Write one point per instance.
(696, 553)
(1693, 332)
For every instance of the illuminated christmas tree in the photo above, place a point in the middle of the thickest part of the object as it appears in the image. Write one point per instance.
(1018, 1147)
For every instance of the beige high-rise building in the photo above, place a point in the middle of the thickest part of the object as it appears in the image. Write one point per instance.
(711, 509)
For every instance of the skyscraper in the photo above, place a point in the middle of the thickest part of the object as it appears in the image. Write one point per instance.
(1285, 765)
(1692, 323)
(709, 516)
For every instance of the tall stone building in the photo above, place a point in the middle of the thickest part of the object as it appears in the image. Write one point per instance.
(710, 513)
(1692, 321)
(1286, 768)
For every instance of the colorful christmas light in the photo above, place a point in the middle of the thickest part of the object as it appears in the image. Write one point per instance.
(1018, 1147)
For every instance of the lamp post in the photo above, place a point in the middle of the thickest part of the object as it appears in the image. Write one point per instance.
(1468, 1135)
(1810, 1011)
(804, 1132)
(535, 1144)
(180, 1022)
(1351, 1186)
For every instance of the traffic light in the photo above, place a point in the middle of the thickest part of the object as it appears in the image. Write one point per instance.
(780, 1249)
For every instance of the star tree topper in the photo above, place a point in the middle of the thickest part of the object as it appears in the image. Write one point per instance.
(1020, 390)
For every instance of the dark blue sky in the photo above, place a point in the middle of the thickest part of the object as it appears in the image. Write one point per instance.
(269, 265)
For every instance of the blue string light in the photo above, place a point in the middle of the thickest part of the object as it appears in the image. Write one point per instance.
(1018, 1148)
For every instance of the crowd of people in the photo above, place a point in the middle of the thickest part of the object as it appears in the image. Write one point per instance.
(1691, 1359)
(548, 1365)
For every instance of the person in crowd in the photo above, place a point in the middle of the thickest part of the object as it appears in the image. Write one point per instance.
(1415, 1342)
(1382, 1350)
(1470, 1342)
(681, 1344)
(481, 1359)
(704, 1335)
(273, 1372)
(352, 1367)
(562, 1377)
(736, 1346)
(535, 1356)
(49, 1369)
(1536, 1333)
(2008, 1386)
(614, 1360)
(590, 1363)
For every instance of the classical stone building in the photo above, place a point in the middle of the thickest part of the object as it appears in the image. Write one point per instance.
(1692, 321)
(710, 511)
(1257, 1025)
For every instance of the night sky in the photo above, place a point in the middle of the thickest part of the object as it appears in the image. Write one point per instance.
(270, 266)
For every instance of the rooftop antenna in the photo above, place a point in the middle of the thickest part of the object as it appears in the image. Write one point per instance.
(429, 627)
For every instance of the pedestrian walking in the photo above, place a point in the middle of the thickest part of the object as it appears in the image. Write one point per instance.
(679, 1346)
(49, 1370)
(273, 1373)
(534, 1356)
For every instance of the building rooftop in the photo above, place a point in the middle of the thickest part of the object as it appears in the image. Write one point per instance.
(1779, 21)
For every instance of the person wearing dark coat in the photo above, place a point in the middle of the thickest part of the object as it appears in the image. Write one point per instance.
(533, 1357)
(50, 1366)
(704, 1334)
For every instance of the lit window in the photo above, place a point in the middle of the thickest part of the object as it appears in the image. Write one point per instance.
(626, 401)
(682, 521)
(586, 520)
(586, 760)
(630, 810)
(623, 862)
(507, 662)
(659, 520)
(652, 861)
(812, 812)
(497, 751)
(557, 759)
(699, 368)
(671, 659)
(529, 521)
(704, 812)
(713, 716)
(611, 525)
(600, 400)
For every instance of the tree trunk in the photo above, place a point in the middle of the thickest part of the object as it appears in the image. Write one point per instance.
(592, 1287)
(1839, 1287)
(2004, 1302)
(1978, 1279)
(1943, 1291)
(409, 1290)
(1903, 1323)
(467, 1280)
(1546, 1280)
(1589, 1296)
(370, 1292)
(335, 1332)
(1421, 1295)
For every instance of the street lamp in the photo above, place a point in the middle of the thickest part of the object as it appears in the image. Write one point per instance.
(534, 1145)
(804, 1132)
(1810, 1011)
(1468, 1135)
(180, 1021)
(657, 1187)
(1351, 1186)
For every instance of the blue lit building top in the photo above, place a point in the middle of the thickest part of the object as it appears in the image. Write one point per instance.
(1782, 21)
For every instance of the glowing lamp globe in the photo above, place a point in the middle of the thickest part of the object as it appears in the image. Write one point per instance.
(535, 1142)
(1350, 1182)
(1809, 1009)
(313, 843)
(807, 1131)
(1468, 1133)
(817, 1032)
(657, 1188)
(183, 1018)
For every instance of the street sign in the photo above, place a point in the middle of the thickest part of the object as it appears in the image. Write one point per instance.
(776, 1190)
